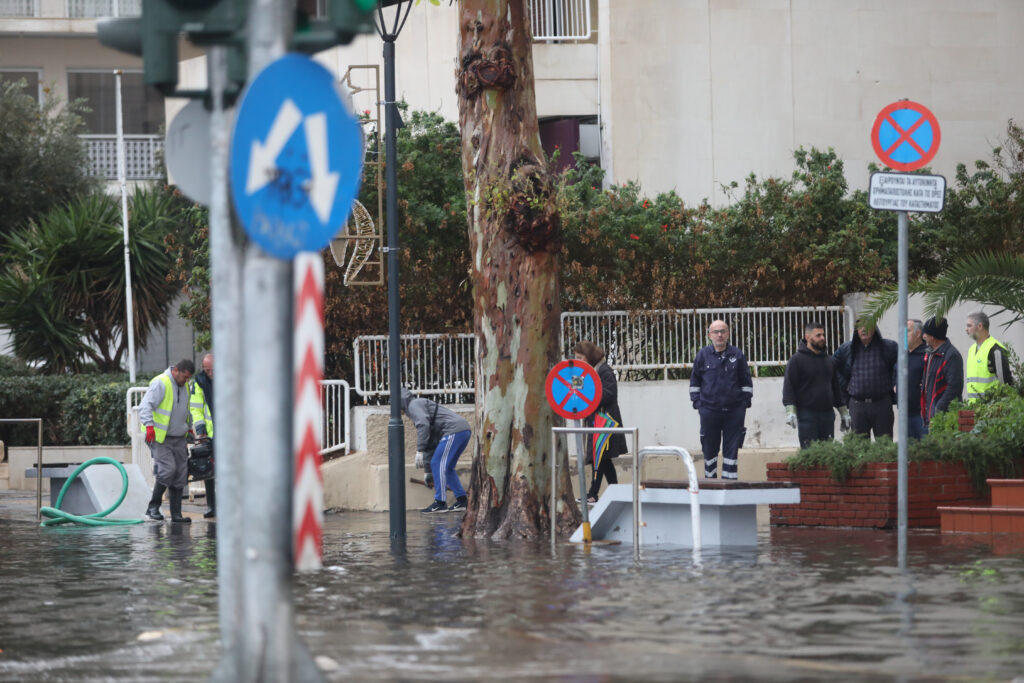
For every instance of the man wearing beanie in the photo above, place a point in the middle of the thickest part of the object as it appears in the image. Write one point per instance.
(943, 379)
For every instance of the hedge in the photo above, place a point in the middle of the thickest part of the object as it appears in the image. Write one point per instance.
(76, 409)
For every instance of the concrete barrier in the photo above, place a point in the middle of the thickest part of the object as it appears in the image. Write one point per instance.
(24, 457)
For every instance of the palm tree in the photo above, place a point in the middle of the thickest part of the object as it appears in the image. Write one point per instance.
(62, 292)
(992, 279)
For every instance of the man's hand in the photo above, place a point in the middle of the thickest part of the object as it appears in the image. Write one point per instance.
(419, 460)
(150, 434)
(791, 416)
(844, 419)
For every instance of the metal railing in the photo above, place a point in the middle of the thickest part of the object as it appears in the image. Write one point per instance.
(640, 345)
(646, 344)
(334, 395)
(693, 486)
(560, 19)
(432, 364)
(141, 152)
(90, 9)
(19, 8)
(39, 458)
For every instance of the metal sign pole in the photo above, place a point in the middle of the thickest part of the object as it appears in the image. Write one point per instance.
(226, 284)
(902, 403)
(271, 650)
(581, 459)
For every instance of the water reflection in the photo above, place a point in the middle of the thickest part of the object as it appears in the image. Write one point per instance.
(139, 603)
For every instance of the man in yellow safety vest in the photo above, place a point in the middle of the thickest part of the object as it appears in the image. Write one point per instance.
(164, 416)
(987, 360)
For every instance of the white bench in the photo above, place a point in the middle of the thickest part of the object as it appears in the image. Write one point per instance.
(728, 512)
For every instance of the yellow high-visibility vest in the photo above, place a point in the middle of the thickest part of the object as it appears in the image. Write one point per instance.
(162, 413)
(199, 408)
(979, 377)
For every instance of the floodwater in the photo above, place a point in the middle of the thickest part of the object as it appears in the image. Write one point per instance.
(140, 604)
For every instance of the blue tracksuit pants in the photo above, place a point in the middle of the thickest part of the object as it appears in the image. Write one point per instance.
(723, 429)
(442, 464)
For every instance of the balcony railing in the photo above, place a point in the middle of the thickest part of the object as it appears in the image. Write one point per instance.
(19, 8)
(560, 19)
(140, 156)
(88, 9)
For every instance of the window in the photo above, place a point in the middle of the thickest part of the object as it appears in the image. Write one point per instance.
(143, 106)
(31, 77)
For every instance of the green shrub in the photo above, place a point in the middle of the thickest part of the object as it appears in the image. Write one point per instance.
(13, 367)
(75, 409)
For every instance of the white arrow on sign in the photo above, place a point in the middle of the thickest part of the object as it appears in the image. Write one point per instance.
(264, 155)
(323, 183)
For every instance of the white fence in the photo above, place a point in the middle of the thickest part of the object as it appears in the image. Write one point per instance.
(88, 9)
(641, 345)
(560, 19)
(140, 155)
(336, 435)
(19, 8)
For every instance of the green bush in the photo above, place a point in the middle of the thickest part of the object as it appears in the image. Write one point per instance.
(13, 367)
(75, 409)
(993, 447)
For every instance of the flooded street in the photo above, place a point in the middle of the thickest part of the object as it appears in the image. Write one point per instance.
(140, 603)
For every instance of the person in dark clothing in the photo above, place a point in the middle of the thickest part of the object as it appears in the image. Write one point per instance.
(810, 389)
(866, 369)
(721, 391)
(593, 354)
(915, 369)
(200, 405)
(441, 436)
(943, 379)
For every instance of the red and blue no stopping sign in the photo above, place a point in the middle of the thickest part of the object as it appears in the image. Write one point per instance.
(573, 389)
(906, 135)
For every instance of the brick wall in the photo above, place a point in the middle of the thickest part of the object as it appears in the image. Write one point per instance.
(868, 497)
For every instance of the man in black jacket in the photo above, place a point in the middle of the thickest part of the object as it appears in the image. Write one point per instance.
(810, 389)
(866, 369)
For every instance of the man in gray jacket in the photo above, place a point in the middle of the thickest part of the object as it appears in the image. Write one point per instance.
(441, 436)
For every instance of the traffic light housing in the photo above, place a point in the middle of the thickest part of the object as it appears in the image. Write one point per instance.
(155, 35)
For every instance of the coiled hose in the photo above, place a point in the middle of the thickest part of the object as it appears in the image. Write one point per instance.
(58, 516)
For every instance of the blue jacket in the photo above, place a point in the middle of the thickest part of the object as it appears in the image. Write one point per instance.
(721, 381)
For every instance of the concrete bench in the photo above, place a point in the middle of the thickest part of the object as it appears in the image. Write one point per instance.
(96, 488)
(728, 511)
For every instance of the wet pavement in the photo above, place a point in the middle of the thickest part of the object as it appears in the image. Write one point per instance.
(140, 604)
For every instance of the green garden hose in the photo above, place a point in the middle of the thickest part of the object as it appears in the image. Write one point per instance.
(58, 516)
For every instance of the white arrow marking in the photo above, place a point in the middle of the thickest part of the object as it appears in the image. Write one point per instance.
(262, 160)
(323, 183)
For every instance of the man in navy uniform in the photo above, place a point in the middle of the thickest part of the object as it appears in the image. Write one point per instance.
(721, 390)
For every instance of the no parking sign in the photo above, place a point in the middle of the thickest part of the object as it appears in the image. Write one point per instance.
(573, 389)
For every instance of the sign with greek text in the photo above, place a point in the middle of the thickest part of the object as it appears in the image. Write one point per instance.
(907, 192)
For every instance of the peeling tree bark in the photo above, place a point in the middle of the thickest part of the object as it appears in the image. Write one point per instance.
(514, 246)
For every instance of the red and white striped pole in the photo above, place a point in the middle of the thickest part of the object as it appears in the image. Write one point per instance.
(308, 499)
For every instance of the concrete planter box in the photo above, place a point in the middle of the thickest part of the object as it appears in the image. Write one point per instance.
(868, 498)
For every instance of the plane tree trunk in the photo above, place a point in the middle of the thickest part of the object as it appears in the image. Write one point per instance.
(514, 250)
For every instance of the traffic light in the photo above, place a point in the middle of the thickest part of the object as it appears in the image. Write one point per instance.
(154, 36)
(345, 20)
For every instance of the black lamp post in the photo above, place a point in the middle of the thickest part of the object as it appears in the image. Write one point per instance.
(396, 430)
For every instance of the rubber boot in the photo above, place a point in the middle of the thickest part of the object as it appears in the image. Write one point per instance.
(176, 516)
(153, 511)
(211, 499)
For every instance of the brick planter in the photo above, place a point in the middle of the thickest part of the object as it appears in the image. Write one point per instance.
(868, 497)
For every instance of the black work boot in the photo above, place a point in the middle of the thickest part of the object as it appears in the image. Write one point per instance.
(176, 516)
(211, 499)
(153, 511)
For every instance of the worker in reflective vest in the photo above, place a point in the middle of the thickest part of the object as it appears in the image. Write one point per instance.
(200, 405)
(987, 360)
(164, 416)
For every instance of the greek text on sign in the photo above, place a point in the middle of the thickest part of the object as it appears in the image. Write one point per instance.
(907, 192)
